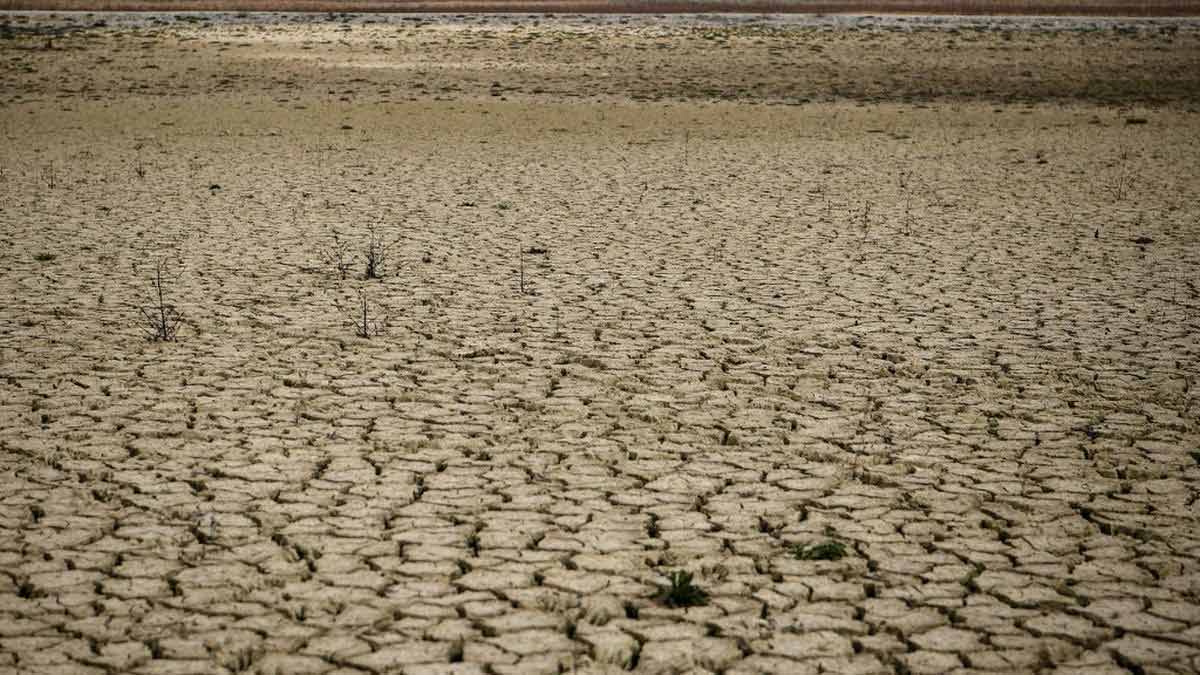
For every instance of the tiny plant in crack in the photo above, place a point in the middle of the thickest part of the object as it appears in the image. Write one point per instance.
(826, 550)
(682, 592)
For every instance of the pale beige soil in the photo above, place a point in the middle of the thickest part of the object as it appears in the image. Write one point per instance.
(910, 315)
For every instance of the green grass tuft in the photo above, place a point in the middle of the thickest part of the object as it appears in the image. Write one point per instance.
(683, 593)
(826, 550)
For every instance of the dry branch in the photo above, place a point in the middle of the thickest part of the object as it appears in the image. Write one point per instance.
(160, 319)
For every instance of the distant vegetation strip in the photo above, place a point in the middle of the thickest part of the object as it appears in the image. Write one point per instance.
(1143, 8)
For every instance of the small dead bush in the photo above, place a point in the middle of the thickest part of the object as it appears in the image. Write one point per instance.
(160, 319)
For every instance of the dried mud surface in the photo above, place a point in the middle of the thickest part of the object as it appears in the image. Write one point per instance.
(926, 289)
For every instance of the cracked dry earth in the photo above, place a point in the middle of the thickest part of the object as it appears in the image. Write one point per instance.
(953, 330)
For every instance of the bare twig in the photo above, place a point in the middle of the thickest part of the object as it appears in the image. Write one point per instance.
(908, 217)
(337, 255)
(1121, 183)
(864, 216)
(521, 255)
(363, 317)
(375, 253)
(161, 320)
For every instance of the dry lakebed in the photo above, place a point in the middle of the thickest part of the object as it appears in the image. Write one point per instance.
(586, 344)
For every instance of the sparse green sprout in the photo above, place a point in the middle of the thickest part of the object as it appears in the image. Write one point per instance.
(1196, 456)
(826, 550)
(683, 593)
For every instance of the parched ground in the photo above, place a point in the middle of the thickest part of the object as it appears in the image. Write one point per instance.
(660, 294)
